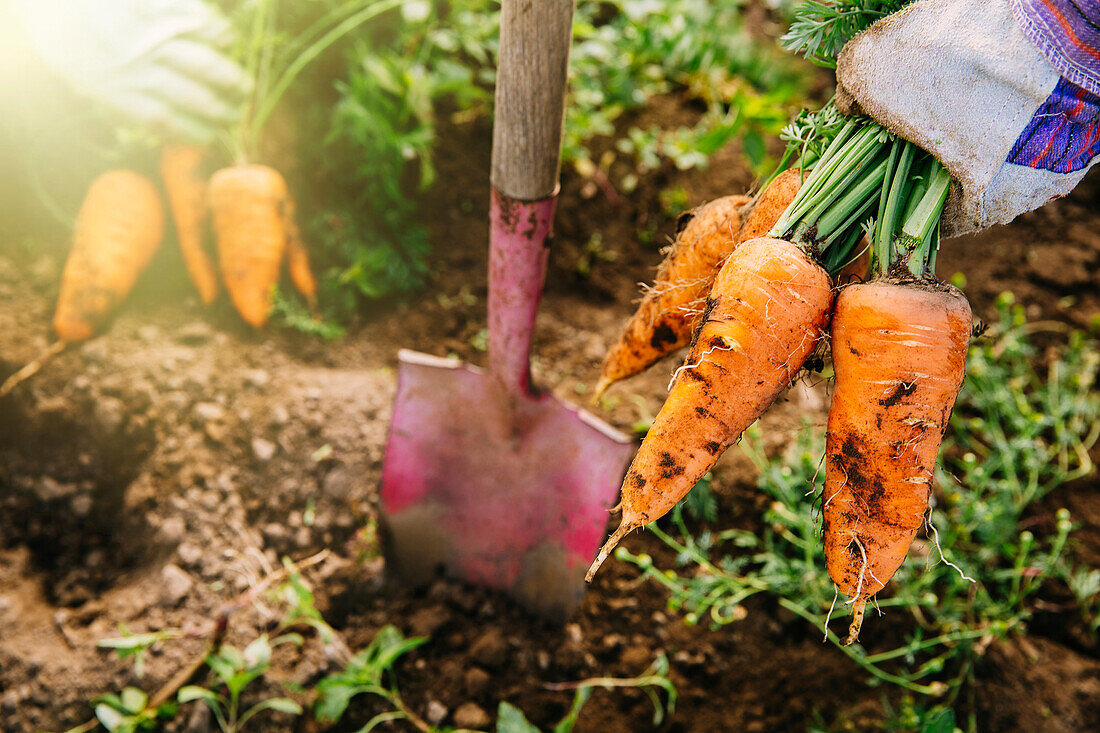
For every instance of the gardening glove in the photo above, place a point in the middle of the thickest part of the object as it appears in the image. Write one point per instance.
(1003, 92)
(159, 62)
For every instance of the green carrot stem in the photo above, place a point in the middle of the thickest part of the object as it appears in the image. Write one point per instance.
(890, 210)
(832, 174)
(859, 198)
(916, 235)
(287, 77)
(849, 172)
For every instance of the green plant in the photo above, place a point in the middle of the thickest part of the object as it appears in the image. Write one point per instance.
(290, 312)
(136, 645)
(365, 674)
(235, 670)
(127, 711)
(1020, 430)
(440, 57)
(370, 672)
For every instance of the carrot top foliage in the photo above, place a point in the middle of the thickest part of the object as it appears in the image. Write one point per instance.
(820, 28)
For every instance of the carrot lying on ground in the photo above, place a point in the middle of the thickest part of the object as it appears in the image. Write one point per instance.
(899, 352)
(765, 315)
(671, 309)
(186, 189)
(118, 230)
(249, 205)
(297, 258)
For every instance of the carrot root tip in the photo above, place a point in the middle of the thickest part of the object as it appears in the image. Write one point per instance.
(857, 621)
(601, 387)
(624, 529)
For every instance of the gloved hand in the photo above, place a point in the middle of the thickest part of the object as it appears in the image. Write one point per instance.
(159, 62)
(962, 79)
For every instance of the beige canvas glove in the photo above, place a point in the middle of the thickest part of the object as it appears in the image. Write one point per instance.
(961, 79)
(159, 62)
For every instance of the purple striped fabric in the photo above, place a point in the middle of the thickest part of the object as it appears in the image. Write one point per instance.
(1063, 134)
(1067, 33)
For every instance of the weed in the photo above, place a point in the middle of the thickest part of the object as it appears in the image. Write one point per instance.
(370, 672)
(127, 712)
(235, 670)
(1019, 431)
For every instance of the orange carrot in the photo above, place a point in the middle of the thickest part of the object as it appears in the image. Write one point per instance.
(186, 189)
(118, 229)
(670, 311)
(249, 207)
(899, 351)
(297, 258)
(770, 204)
(765, 315)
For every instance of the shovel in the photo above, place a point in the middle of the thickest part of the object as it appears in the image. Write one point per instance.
(485, 475)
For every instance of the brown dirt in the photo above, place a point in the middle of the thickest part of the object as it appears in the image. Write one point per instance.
(154, 473)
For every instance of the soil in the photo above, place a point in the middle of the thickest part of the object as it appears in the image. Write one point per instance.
(151, 475)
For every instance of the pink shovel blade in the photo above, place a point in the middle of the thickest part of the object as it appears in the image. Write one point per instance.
(519, 509)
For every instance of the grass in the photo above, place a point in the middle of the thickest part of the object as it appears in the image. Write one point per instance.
(1023, 427)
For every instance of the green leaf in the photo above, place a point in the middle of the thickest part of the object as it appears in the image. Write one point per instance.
(278, 704)
(190, 693)
(133, 700)
(511, 719)
(111, 719)
(939, 722)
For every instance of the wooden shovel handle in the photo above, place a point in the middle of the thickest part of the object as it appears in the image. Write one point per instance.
(535, 37)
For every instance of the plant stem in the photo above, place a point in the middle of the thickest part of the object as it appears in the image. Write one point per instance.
(916, 235)
(287, 77)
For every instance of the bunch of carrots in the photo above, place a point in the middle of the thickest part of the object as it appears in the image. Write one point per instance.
(121, 221)
(120, 226)
(839, 249)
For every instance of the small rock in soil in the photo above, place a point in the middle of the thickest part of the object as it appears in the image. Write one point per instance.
(173, 529)
(257, 378)
(177, 584)
(436, 712)
(189, 553)
(477, 682)
(208, 412)
(48, 489)
(429, 619)
(490, 649)
(339, 483)
(636, 657)
(470, 715)
(264, 450)
(194, 333)
(110, 413)
(279, 415)
(149, 333)
(81, 505)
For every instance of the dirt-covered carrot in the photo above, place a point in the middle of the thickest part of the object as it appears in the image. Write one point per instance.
(670, 311)
(765, 315)
(670, 308)
(180, 166)
(297, 258)
(118, 229)
(899, 353)
(249, 203)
